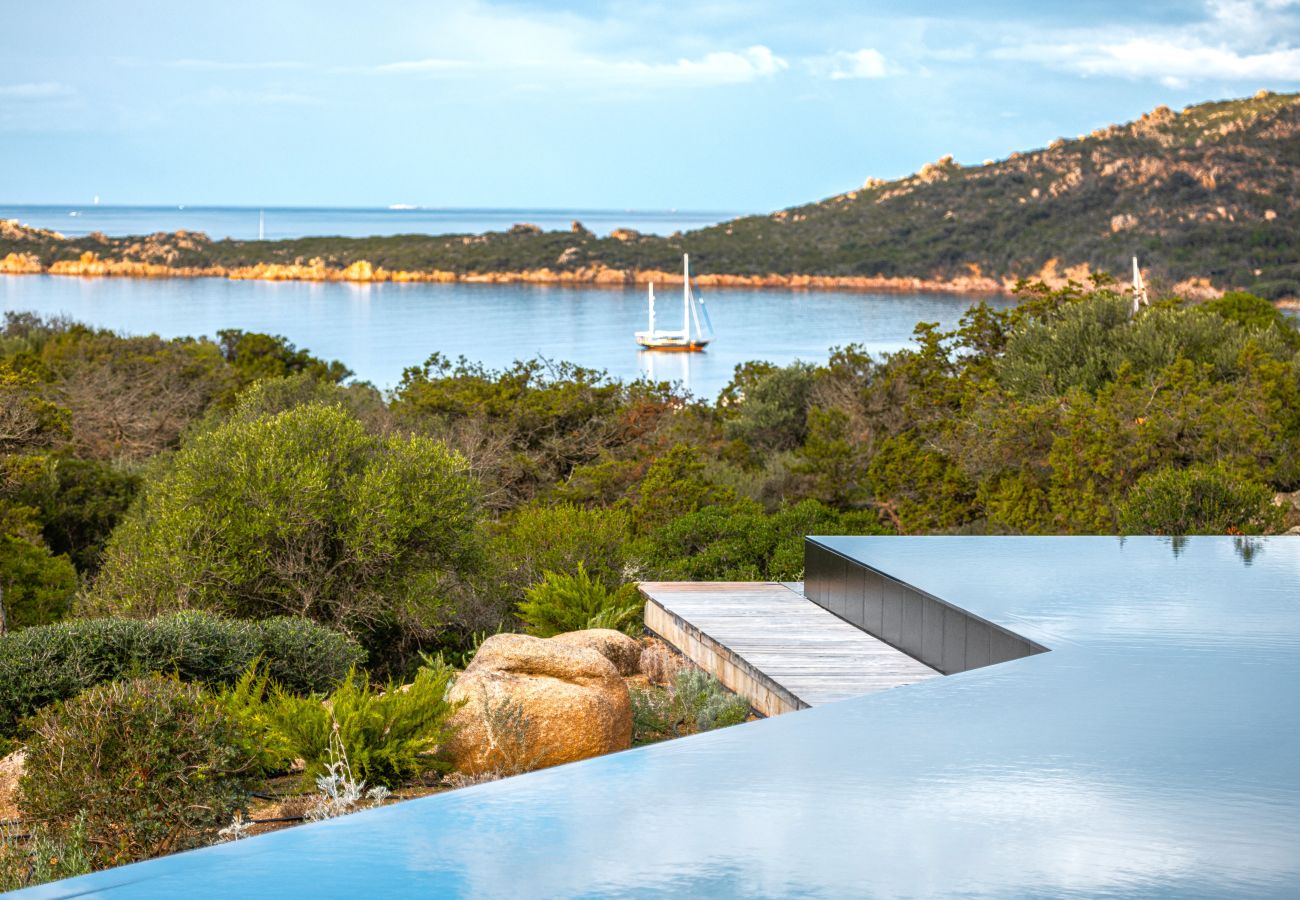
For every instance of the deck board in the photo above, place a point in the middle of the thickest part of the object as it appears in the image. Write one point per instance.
(772, 645)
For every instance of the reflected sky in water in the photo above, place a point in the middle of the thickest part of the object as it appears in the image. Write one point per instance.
(1152, 752)
(379, 329)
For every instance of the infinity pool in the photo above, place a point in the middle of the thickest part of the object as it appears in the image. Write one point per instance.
(1151, 752)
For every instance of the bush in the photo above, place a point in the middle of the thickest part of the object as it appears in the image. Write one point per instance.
(46, 664)
(1202, 499)
(561, 603)
(38, 587)
(692, 702)
(301, 513)
(386, 735)
(40, 856)
(146, 767)
(559, 538)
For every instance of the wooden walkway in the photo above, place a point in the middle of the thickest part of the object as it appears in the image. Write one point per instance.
(773, 646)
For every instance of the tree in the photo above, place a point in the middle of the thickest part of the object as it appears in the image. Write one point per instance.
(304, 513)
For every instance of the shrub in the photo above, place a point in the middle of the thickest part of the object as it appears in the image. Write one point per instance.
(1201, 499)
(692, 702)
(45, 664)
(40, 856)
(385, 735)
(146, 766)
(38, 587)
(560, 603)
(304, 513)
(558, 538)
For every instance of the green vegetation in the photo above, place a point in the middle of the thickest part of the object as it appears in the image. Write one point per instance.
(39, 666)
(39, 856)
(560, 603)
(1208, 192)
(390, 734)
(287, 552)
(136, 768)
(301, 513)
(692, 702)
(1203, 499)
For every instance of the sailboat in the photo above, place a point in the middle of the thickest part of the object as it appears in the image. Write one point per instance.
(693, 311)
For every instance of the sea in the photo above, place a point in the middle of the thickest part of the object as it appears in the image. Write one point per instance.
(378, 330)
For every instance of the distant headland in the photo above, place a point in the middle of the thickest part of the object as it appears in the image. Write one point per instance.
(1206, 197)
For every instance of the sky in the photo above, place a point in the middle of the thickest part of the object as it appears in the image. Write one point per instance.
(712, 105)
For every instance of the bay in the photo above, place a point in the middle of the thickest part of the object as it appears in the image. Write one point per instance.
(379, 329)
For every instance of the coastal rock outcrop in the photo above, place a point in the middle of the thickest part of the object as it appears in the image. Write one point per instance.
(615, 646)
(532, 702)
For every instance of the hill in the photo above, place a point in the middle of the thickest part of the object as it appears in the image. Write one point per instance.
(1205, 197)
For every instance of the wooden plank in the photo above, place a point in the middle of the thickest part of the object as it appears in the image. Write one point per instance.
(776, 648)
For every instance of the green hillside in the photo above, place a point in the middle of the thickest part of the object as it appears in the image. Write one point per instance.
(1209, 192)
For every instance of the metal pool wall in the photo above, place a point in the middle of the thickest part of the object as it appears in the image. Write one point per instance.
(942, 636)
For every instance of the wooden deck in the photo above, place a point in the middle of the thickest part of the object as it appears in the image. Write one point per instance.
(773, 646)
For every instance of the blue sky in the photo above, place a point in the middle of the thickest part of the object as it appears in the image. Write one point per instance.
(710, 105)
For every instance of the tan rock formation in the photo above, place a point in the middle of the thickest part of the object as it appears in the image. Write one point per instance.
(615, 646)
(531, 703)
(21, 264)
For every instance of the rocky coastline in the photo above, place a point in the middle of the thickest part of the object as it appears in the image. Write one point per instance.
(90, 265)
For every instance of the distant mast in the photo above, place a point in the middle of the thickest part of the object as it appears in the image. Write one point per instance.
(261, 224)
(694, 313)
(1140, 297)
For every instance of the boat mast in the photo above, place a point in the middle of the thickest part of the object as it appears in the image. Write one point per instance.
(686, 296)
(652, 309)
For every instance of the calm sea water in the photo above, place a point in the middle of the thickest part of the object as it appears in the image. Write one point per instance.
(379, 329)
(292, 222)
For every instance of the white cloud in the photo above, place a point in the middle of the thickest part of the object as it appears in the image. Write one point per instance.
(1171, 60)
(1238, 40)
(35, 90)
(845, 64)
(719, 67)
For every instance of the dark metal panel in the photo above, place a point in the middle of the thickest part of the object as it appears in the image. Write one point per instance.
(838, 587)
(856, 582)
(955, 626)
(1005, 646)
(873, 603)
(931, 632)
(978, 637)
(891, 628)
(910, 641)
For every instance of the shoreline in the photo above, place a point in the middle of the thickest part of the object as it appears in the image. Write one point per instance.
(91, 265)
(362, 272)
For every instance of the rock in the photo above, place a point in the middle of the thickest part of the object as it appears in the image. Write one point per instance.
(532, 702)
(578, 228)
(11, 769)
(625, 234)
(615, 646)
(525, 228)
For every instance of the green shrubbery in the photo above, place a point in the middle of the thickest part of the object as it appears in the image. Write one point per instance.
(560, 603)
(387, 734)
(42, 665)
(1204, 499)
(300, 513)
(692, 702)
(140, 768)
(34, 857)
